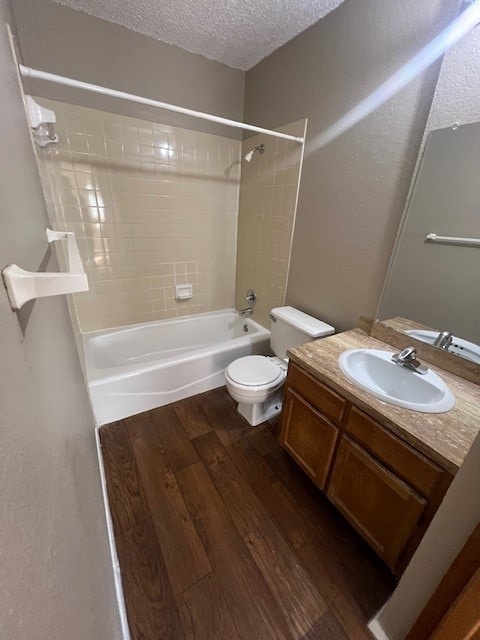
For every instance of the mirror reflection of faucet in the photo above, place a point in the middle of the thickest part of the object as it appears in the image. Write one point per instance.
(443, 340)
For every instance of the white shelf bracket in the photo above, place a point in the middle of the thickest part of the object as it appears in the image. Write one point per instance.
(23, 286)
(41, 121)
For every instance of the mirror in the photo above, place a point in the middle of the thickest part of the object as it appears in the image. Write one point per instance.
(433, 285)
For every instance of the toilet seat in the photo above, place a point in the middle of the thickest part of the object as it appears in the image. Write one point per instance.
(254, 371)
(256, 382)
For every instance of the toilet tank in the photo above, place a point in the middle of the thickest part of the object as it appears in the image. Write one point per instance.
(290, 327)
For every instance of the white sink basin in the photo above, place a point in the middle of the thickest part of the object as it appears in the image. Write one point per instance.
(374, 371)
(459, 347)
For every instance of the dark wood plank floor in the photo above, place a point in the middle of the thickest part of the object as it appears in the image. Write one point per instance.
(221, 536)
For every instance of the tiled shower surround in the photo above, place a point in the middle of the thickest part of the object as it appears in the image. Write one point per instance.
(151, 206)
(268, 203)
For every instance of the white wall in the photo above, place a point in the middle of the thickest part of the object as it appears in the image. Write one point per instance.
(457, 98)
(457, 95)
(70, 43)
(56, 577)
(353, 190)
(458, 515)
(445, 201)
(456, 101)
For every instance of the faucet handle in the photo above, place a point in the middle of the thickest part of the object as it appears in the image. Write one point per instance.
(251, 297)
(409, 353)
(408, 358)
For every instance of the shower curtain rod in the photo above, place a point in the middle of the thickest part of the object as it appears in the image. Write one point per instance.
(27, 72)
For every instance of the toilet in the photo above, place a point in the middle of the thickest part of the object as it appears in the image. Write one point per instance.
(256, 382)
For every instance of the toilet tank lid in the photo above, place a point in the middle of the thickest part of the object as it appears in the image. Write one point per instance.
(302, 321)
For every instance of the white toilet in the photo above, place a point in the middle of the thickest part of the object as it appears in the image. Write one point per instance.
(256, 382)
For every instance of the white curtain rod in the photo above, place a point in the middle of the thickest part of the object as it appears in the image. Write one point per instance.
(27, 72)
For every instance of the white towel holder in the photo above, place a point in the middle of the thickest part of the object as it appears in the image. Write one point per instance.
(23, 286)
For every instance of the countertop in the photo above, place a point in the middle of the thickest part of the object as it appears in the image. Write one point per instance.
(443, 437)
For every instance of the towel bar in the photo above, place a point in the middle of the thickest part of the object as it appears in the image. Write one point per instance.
(432, 237)
(23, 286)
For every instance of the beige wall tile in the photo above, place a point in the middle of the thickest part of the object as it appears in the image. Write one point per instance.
(143, 199)
(153, 206)
(266, 217)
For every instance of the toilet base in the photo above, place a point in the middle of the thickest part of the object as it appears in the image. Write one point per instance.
(255, 414)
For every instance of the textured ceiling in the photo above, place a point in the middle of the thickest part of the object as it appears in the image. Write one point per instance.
(236, 32)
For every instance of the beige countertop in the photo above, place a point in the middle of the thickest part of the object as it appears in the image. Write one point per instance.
(404, 324)
(443, 437)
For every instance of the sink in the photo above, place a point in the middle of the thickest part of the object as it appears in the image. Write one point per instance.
(459, 347)
(374, 371)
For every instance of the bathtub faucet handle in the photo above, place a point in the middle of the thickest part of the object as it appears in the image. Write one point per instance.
(245, 312)
(252, 301)
(251, 298)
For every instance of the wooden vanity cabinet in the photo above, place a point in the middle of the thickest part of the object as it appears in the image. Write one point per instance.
(385, 488)
(382, 508)
(309, 437)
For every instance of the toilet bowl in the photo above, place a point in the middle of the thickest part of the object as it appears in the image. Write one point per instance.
(256, 382)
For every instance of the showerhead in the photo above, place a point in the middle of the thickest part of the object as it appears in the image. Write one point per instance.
(260, 148)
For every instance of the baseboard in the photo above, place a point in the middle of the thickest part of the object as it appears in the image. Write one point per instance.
(376, 630)
(111, 541)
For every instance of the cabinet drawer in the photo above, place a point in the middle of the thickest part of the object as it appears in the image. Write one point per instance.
(382, 508)
(318, 395)
(420, 472)
(308, 437)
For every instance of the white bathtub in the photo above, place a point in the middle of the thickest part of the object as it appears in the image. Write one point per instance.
(133, 369)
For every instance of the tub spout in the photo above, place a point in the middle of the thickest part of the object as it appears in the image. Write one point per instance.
(245, 312)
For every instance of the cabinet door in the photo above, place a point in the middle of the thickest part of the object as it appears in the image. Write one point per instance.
(403, 460)
(308, 436)
(318, 395)
(382, 508)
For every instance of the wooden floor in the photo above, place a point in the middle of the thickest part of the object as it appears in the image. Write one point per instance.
(221, 536)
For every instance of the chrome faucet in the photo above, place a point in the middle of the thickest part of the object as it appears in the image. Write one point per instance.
(408, 358)
(252, 301)
(443, 340)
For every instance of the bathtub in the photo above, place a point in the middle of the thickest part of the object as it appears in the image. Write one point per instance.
(140, 367)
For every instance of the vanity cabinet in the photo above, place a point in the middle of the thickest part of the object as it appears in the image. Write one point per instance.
(384, 487)
(383, 508)
(309, 437)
